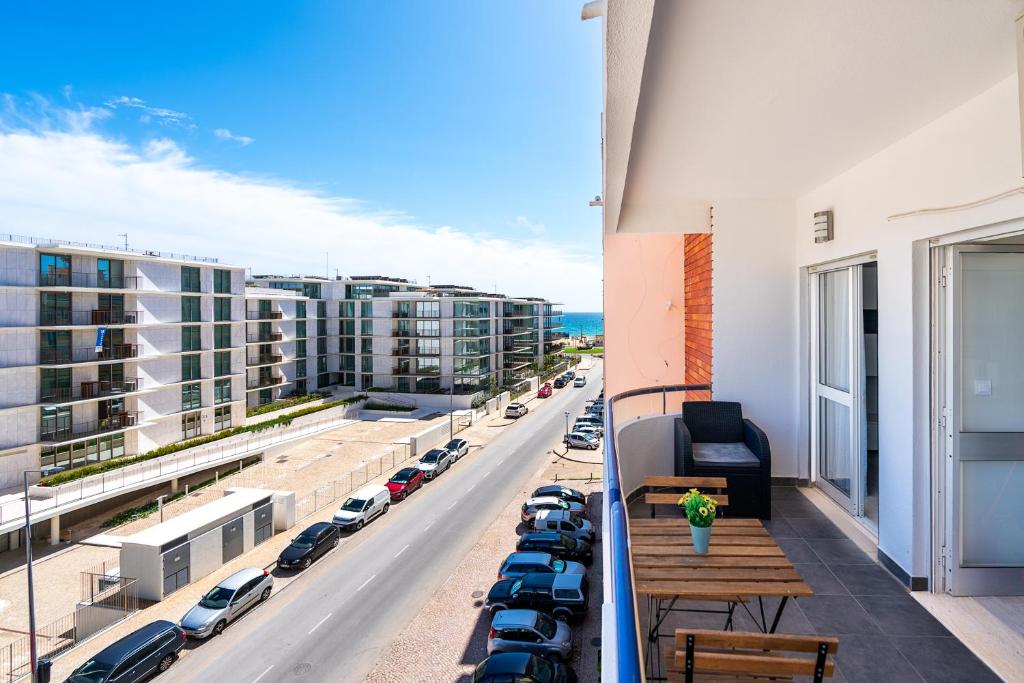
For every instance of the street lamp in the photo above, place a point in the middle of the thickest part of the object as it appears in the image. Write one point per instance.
(567, 422)
(28, 564)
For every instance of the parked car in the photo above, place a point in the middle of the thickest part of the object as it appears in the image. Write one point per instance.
(522, 563)
(562, 546)
(457, 447)
(580, 381)
(565, 522)
(570, 374)
(516, 410)
(309, 546)
(544, 391)
(152, 648)
(522, 667)
(227, 601)
(405, 481)
(588, 430)
(561, 381)
(563, 596)
(435, 461)
(527, 630)
(563, 492)
(534, 505)
(589, 421)
(580, 440)
(363, 506)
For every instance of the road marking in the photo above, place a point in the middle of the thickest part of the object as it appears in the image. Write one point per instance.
(366, 582)
(486, 474)
(402, 550)
(429, 524)
(263, 674)
(453, 503)
(471, 488)
(318, 625)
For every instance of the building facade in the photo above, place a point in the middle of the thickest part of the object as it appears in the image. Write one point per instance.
(108, 352)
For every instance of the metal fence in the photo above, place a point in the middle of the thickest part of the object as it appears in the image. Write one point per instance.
(106, 600)
(327, 493)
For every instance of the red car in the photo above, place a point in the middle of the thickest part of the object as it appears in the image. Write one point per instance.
(544, 391)
(405, 481)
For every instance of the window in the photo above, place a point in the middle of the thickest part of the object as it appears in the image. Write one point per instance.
(428, 309)
(54, 270)
(348, 379)
(347, 309)
(366, 309)
(300, 329)
(348, 327)
(190, 338)
(189, 279)
(221, 308)
(221, 418)
(428, 328)
(221, 391)
(222, 336)
(430, 366)
(110, 273)
(321, 346)
(190, 425)
(300, 348)
(300, 369)
(321, 309)
(347, 363)
(366, 345)
(366, 327)
(300, 309)
(190, 367)
(55, 423)
(428, 347)
(347, 345)
(222, 281)
(366, 363)
(265, 397)
(221, 363)
(321, 327)
(191, 396)
(56, 384)
(190, 309)
(321, 364)
(55, 308)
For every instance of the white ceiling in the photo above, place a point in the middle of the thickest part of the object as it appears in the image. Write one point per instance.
(769, 99)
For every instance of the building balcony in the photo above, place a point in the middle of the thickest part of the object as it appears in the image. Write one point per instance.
(264, 315)
(95, 317)
(264, 359)
(264, 382)
(412, 315)
(87, 354)
(412, 334)
(266, 338)
(88, 280)
(471, 334)
(519, 329)
(88, 390)
(88, 428)
(412, 351)
(417, 372)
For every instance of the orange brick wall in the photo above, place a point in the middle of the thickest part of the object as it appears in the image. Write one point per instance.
(697, 310)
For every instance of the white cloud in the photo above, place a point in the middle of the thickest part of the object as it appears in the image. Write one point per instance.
(164, 116)
(78, 185)
(225, 134)
(534, 228)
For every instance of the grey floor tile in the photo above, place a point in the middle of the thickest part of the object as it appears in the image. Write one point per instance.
(837, 615)
(793, 619)
(874, 659)
(821, 579)
(797, 507)
(838, 551)
(813, 527)
(797, 550)
(943, 660)
(868, 579)
(901, 615)
(779, 527)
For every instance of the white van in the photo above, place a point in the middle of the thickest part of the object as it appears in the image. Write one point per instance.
(362, 506)
(563, 522)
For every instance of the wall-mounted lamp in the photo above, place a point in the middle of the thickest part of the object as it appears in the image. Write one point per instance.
(822, 227)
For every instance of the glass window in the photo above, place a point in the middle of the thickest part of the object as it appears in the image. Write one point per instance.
(347, 363)
(300, 309)
(321, 364)
(221, 363)
(366, 345)
(190, 425)
(54, 270)
(366, 327)
(190, 309)
(311, 290)
(190, 367)
(55, 384)
(321, 346)
(191, 396)
(366, 363)
(428, 328)
(428, 347)
(300, 348)
(189, 279)
(222, 336)
(110, 273)
(321, 327)
(428, 309)
(222, 281)
(300, 329)
(366, 309)
(222, 418)
(221, 308)
(190, 338)
(348, 327)
(222, 391)
(300, 369)
(347, 309)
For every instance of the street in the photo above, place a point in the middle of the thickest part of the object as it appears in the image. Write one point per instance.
(331, 624)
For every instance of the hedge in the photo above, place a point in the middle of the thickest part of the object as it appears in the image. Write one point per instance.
(389, 406)
(285, 403)
(109, 465)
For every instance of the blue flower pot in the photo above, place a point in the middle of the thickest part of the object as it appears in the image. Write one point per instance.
(701, 536)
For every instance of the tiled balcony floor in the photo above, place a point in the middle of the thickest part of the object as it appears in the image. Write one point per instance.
(884, 634)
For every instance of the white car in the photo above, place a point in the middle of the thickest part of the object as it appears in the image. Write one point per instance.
(580, 440)
(457, 447)
(563, 521)
(534, 505)
(362, 506)
(590, 430)
(516, 410)
(580, 381)
(435, 461)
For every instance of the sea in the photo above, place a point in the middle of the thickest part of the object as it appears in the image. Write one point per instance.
(591, 324)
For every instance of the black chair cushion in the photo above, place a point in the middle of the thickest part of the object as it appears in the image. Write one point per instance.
(714, 421)
(724, 454)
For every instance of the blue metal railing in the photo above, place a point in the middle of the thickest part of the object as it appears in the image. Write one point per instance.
(627, 656)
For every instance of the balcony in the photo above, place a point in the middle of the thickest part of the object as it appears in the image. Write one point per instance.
(409, 351)
(54, 317)
(88, 428)
(264, 359)
(88, 280)
(412, 334)
(264, 315)
(519, 329)
(87, 390)
(87, 354)
(413, 315)
(265, 338)
(264, 382)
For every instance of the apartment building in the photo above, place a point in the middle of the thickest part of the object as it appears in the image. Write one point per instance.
(107, 352)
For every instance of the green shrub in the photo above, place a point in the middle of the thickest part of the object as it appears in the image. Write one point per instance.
(389, 406)
(286, 403)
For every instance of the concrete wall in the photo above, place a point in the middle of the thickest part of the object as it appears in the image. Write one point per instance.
(645, 446)
(207, 553)
(143, 563)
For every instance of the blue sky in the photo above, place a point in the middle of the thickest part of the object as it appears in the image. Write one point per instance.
(480, 118)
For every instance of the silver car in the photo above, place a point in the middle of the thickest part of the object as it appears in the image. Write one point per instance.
(526, 630)
(228, 600)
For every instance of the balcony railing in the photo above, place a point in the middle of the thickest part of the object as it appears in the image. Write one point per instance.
(406, 315)
(263, 382)
(86, 354)
(264, 359)
(94, 280)
(413, 351)
(470, 333)
(93, 389)
(60, 317)
(414, 334)
(264, 315)
(419, 372)
(265, 338)
(81, 430)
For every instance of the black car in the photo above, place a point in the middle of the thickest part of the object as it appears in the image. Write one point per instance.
(561, 381)
(563, 596)
(309, 545)
(555, 543)
(152, 648)
(565, 493)
(522, 667)
(570, 374)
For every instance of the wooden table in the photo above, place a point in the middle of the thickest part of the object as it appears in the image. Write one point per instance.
(743, 562)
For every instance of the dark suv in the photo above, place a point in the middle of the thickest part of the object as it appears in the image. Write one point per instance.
(309, 545)
(558, 544)
(561, 381)
(563, 596)
(564, 492)
(522, 667)
(152, 648)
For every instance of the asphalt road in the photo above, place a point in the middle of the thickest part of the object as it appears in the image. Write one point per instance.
(333, 623)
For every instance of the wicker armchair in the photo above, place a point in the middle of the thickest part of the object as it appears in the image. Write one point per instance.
(713, 440)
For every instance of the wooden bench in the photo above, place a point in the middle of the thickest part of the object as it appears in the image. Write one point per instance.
(702, 655)
(682, 484)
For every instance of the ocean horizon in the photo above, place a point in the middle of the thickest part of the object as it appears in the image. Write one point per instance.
(587, 323)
